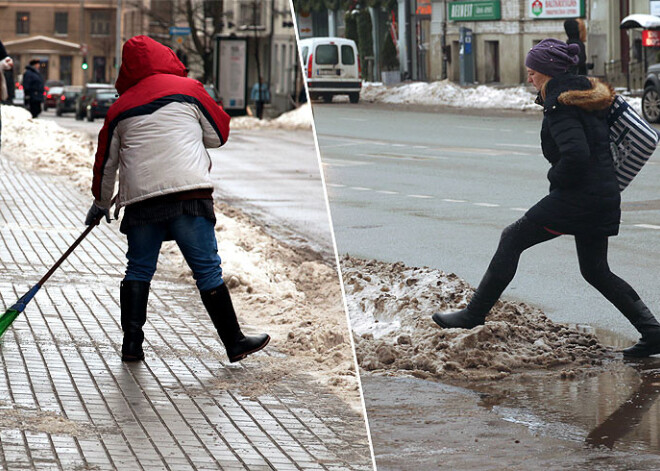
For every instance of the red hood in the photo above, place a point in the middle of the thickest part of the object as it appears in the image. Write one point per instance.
(142, 57)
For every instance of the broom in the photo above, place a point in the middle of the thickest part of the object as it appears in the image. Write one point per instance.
(12, 313)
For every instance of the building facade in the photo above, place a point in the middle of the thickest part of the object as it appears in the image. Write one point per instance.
(65, 36)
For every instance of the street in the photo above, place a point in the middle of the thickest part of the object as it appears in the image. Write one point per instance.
(436, 189)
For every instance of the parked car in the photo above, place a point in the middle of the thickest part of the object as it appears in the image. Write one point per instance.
(67, 101)
(331, 68)
(100, 102)
(651, 96)
(52, 96)
(83, 100)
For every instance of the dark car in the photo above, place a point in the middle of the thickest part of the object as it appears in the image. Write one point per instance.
(52, 96)
(83, 100)
(651, 97)
(67, 101)
(100, 103)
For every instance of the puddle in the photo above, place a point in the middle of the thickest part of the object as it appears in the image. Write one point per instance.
(615, 406)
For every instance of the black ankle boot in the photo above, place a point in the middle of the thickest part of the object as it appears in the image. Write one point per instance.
(647, 325)
(133, 296)
(475, 313)
(219, 306)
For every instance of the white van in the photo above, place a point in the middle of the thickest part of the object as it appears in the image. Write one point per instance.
(331, 67)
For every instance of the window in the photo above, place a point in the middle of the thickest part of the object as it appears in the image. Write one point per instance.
(100, 23)
(251, 13)
(327, 54)
(65, 69)
(347, 55)
(61, 23)
(22, 22)
(99, 69)
(162, 12)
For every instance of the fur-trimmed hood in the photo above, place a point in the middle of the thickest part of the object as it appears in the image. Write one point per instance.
(587, 93)
(599, 97)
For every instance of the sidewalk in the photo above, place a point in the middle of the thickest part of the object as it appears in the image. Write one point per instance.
(68, 402)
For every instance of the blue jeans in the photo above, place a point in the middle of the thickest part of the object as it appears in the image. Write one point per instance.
(195, 237)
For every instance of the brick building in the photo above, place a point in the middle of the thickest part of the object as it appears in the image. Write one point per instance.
(63, 34)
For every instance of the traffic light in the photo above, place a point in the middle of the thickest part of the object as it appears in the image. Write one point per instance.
(84, 64)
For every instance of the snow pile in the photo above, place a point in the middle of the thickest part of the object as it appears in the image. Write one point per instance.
(299, 118)
(44, 145)
(17, 417)
(449, 94)
(390, 307)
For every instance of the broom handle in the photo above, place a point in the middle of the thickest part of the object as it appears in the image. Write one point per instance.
(74, 245)
(69, 250)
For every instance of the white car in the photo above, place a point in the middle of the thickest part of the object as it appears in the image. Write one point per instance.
(19, 96)
(332, 67)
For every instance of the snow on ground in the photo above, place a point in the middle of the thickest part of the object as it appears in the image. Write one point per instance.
(299, 118)
(449, 94)
(284, 291)
(390, 306)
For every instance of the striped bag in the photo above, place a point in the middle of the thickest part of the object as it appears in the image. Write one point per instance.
(632, 140)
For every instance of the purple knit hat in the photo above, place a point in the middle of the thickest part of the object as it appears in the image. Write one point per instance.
(552, 57)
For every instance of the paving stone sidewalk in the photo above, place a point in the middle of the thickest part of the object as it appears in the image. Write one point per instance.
(67, 402)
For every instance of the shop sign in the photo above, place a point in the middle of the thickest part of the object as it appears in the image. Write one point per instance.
(424, 7)
(655, 7)
(650, 38)
(475, 11)
(555, 9)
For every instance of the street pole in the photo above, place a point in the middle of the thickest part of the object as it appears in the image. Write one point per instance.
(82, 37)
(270, 44)
(118, 39)
(444, 39)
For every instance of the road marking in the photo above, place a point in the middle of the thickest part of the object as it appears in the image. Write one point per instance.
(420, 196)
(524, 210)
(387, 192)
(487, 205)
(420, 147)
(447, 200)
(647, 226)
(527, 146)
(335, 185)
(360, 188)
(344, 163)
(404, 156)
(398, 145)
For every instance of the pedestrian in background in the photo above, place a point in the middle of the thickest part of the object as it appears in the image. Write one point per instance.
(576, 31)
(33, 87)
(5, 64)
(584, 198)
(260, 94)
(156, 135)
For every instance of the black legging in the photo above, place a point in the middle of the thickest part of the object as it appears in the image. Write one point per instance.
(592, 256)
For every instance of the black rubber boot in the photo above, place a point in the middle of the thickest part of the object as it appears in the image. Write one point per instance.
(133, 296)
(475, 313)
(647, 325)
(219, 306)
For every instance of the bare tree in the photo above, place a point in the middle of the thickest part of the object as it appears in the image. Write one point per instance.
(205, 18)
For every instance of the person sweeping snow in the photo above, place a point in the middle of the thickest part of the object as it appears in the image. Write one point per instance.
(156, 135)
(584, 198)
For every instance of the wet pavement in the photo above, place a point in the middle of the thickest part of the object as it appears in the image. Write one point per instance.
(68, 402)
(607, 419)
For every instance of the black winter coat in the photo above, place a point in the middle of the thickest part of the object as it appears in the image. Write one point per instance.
(584, 196)
(33, 84)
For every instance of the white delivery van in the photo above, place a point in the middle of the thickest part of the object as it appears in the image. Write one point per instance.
(331, 67)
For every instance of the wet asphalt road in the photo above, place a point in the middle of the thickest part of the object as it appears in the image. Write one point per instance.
(437, 188)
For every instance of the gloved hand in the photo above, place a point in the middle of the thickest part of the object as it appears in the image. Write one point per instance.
(95, 212)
